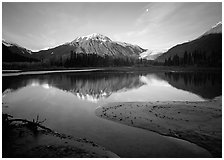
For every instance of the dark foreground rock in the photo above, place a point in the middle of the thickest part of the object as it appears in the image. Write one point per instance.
(22, 141)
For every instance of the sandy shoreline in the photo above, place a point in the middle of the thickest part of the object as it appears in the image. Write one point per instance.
(196, 122)
(48, 72)
(21, 142)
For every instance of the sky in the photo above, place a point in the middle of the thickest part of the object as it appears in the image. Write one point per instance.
(153, 26)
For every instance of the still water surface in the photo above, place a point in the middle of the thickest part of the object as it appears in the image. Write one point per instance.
(68, 102)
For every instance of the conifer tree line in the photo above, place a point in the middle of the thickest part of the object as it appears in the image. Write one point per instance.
(93, 60)
(196, 58)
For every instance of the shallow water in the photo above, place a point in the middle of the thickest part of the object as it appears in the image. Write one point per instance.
(68, 102)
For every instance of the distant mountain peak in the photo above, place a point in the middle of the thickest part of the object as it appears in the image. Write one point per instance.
(102, 45)
(93, 36)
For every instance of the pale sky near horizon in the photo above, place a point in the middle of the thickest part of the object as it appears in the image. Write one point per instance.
(147, 24)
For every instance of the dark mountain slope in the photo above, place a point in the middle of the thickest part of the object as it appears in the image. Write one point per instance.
(209, 44)
(206, 50)
(15, 54)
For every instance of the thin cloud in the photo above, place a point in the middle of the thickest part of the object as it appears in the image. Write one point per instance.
(149, 25)
(167, 24)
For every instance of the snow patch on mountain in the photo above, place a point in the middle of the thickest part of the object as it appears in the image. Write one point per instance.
(124, 44)
(218, 24)
(7, 43)
(102, 45)
(215, 29)
(152, 54)
(94, 36)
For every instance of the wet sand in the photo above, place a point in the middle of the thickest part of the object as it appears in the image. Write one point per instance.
(196, 122)
(21, 142)
(49, 72)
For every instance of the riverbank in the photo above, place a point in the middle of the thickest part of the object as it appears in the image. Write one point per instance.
(196, 122)
(47, 72)
(121, 68)
(134, 69)
(20, 140)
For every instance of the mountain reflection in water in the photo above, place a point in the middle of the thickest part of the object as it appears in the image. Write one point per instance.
(206, 84)
(100, 85)
(91, 86)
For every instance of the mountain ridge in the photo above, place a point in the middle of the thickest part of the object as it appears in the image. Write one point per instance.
(216, 29)
(207, 46)
(91, 44)
(98, 45)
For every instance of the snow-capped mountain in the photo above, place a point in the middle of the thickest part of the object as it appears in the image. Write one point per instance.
(94, 36)
(93, 44)
(102, 45)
